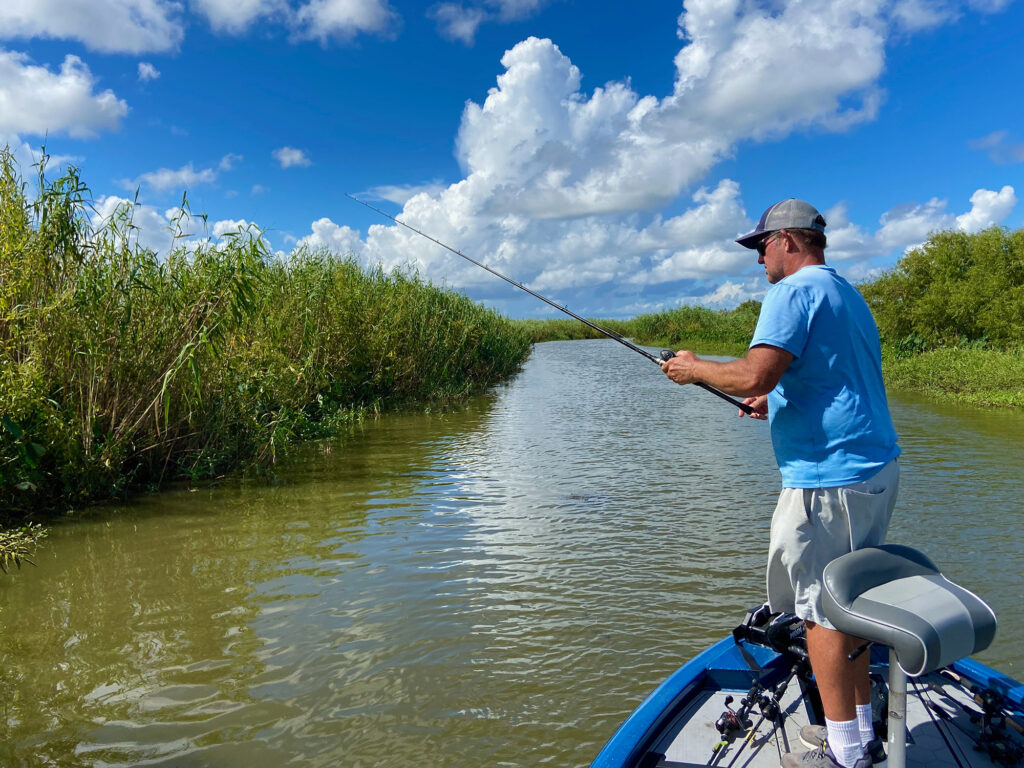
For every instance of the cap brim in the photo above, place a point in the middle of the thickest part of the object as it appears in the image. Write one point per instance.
(751, 240)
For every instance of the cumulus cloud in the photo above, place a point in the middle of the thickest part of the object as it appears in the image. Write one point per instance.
(163, 179)
(237, 16)
(150, 228)
(324, 20)
(560, 187)
(988, 208)
(167, 230)
(110, 26)
(147, 71)
(337, 239)
(908, 226)
(289, 157)
(38, 101)
(563, 188)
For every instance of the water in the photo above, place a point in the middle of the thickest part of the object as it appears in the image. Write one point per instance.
(501, 584)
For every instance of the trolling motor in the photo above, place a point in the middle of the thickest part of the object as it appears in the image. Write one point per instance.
(782, 632)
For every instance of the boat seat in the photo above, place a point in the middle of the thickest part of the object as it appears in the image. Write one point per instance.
(895, 596)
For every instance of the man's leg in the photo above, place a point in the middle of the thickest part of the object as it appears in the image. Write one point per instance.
(842, 684)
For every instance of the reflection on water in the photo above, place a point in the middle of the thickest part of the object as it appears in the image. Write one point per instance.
(503, 583)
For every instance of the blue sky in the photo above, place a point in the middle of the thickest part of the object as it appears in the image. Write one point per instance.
(605, 154)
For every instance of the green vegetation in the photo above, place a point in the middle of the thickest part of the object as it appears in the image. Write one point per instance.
(120, 369)
(951, 315)
(567, 329)
(700, 329)
(955, 290)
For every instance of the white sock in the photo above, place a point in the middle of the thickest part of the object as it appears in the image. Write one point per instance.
(844, 741)
(864, 722)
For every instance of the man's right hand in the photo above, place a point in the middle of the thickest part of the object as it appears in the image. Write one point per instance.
(760, 406)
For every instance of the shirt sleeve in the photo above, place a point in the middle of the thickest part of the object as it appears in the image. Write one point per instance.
(784, 321)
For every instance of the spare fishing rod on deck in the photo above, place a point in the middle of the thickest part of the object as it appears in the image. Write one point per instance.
(666, 355)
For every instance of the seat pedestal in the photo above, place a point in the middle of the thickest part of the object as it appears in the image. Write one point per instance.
(896, 597)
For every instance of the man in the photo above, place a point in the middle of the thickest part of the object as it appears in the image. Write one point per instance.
(813, 371)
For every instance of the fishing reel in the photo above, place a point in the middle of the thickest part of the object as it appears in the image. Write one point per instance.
(769, 704)
(666, 355)
(733, 721)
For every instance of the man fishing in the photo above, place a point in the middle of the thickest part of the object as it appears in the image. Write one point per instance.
(813, 370)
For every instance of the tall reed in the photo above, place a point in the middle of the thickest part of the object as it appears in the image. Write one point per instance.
(121, 368)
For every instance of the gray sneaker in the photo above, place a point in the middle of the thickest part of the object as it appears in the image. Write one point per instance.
(813, 736)
(821, 757)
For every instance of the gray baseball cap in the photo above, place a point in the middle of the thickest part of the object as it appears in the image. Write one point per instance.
(788, 214)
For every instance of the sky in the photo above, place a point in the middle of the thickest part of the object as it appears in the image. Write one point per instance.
(605, 154)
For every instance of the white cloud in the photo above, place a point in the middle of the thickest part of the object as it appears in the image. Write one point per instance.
(454, 22)
(289, 157)
(908, 225)
(25, 155)
(337, 239)
(34, 100)
(182, 178)
(561, 187)
(400, 194)
(557, 182)
(147, 71)
(228, 161)
(110, 26)
(988, 208)
(1000, 149)
(461, 22)
(150, 227)
(343, 19)
(237, 16)
(918, 15)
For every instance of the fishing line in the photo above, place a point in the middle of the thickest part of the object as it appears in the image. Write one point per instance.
(665, 355)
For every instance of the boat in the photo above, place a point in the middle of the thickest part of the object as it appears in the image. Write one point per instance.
(742, 702)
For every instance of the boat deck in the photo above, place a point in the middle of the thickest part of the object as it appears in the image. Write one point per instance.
(943, 723)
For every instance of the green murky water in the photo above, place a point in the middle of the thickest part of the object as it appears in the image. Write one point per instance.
(500, 585)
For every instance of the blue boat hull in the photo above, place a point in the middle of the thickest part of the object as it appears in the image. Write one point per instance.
(731, 664)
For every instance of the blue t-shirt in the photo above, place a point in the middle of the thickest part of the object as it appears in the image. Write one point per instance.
(829, 416)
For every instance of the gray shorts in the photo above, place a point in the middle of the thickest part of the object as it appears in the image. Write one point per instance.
(811, 527)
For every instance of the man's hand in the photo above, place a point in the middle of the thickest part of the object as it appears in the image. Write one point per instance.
(680, 367)
(760, 406)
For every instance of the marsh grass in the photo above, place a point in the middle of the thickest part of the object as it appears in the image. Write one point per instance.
(569, 329)
(122, 369)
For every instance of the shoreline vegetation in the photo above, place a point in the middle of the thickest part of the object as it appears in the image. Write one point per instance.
(121, 370)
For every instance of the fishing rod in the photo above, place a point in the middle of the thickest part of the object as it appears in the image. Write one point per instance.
(666, 355)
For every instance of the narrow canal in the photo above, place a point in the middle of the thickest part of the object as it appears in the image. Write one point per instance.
(498, 585)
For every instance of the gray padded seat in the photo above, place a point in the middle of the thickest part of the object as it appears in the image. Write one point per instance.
(896, 597)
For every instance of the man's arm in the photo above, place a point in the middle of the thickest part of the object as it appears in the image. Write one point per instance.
(750, 376)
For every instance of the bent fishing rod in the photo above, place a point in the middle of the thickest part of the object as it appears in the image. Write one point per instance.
(666, 355)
